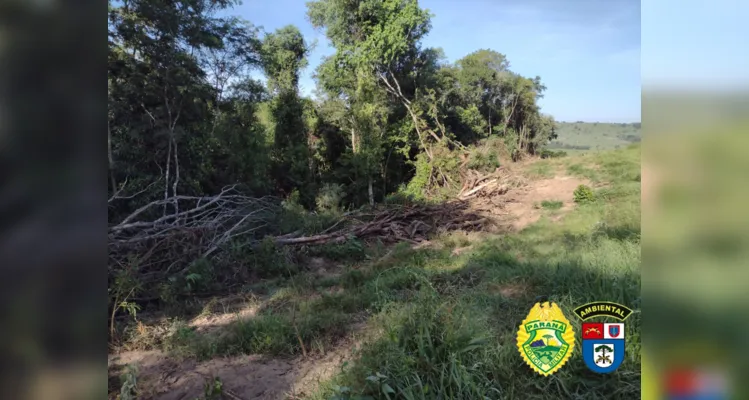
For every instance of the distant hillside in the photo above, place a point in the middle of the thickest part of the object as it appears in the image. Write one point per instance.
(593, 136)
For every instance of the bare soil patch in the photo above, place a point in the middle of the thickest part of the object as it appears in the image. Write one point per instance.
(523, 207)
(161, 377)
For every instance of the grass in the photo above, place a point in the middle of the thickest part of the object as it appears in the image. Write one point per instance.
(551, 205)
(446, 324)
(587, 137)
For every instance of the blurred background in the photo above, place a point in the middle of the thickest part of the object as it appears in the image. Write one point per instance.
(695, 192)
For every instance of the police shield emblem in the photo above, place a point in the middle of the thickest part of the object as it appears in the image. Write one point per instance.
(603, 346)
(545, 338)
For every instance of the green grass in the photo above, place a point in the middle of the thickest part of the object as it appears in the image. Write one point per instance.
(551, 205)
(447, 323)
(577, 138)
(458, 339)
(542, 169)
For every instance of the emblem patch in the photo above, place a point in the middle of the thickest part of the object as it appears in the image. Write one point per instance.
(603, 346)
(603, 342)
(546, 339)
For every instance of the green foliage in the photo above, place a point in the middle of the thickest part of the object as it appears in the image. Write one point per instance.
(546, 153)
(129, 379)
(484, 161)
(551, 205)
(213, 390)
(584, 194)
(428, 349)
(283, 55)
(271, 260)
(420, 180)
(329, 197)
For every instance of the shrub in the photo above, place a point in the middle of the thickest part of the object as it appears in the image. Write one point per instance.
(584, 194)
(483, 160)
(330, 196)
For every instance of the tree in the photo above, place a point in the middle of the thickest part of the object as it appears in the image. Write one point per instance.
(603, 349)
(162, 103)
(380, 39)
(283, 55)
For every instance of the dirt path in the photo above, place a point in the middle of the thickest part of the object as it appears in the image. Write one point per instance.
(161, 377)
(525, 208)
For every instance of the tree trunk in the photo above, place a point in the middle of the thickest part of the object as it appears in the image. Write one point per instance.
(371, 192)
(353, 140)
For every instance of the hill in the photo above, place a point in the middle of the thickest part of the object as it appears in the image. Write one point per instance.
(579, 137)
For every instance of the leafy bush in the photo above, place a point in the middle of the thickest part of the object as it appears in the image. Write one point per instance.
(272, 261)
(329, 197)
(484, 161)
(399, 198)
(584, 194)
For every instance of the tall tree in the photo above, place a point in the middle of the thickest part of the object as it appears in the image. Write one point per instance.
(381, 39)
(284, 54)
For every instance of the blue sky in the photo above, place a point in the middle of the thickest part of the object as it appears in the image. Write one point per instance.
(695, 43)
(587, 52)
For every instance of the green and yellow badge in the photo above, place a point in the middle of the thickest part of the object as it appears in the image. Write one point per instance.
(546, 338)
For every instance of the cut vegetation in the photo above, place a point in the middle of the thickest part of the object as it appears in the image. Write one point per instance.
(382, 240)
(440, 317)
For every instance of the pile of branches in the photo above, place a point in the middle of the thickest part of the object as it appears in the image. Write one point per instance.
(179, 229)
(477, 185)
(163, 239)
(409, 224)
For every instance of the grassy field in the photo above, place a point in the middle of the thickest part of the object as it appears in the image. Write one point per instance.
(583, 137)
(442, 323)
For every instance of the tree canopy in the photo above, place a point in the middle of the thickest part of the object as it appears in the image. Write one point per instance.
(186, 117)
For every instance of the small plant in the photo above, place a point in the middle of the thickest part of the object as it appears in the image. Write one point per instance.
(551, 205)
(584, 194)
(129, 390)
(213, 390)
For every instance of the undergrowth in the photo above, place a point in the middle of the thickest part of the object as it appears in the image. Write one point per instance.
(447, 322)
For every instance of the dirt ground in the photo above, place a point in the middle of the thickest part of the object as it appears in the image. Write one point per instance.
(161, 377)
(524, 208)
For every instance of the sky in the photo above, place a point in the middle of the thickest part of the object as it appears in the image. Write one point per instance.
(703, 45)
(587, 52)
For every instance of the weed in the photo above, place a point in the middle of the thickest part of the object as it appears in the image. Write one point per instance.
(584, 194)
(212, 389)
(129, 390)
(551, 205)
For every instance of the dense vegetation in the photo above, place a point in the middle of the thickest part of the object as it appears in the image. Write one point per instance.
(185, 116)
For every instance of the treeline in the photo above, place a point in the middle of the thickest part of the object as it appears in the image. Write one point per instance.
(187, 118)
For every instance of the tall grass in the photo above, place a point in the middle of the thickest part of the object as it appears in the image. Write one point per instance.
(456, 338)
